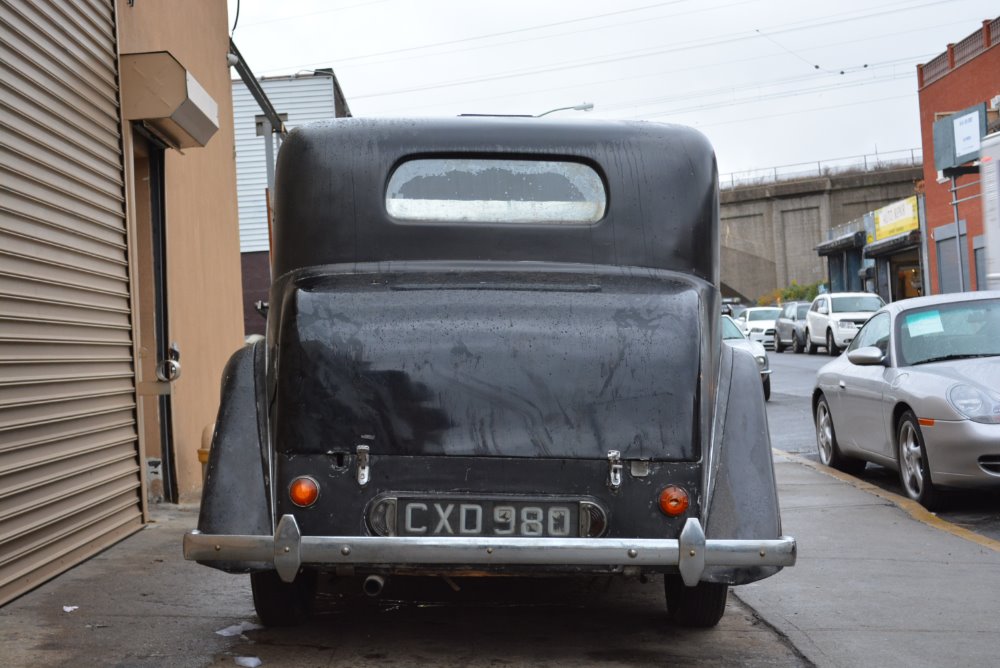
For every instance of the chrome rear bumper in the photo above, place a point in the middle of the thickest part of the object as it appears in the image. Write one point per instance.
(288, 549)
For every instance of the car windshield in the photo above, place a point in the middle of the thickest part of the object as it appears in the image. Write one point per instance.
(730, 330)
(855, 304)
(764, 314)
(949, 331)
(801, 311)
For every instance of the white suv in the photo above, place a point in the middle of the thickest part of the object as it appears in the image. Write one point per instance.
(834, 319)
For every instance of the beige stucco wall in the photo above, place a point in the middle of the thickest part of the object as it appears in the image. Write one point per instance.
(203, 257)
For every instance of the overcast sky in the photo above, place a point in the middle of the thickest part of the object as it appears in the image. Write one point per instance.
(770, 82)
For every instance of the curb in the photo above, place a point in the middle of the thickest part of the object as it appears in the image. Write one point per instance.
(909, 506)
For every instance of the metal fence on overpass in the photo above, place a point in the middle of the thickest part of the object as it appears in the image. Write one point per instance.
(912, 157)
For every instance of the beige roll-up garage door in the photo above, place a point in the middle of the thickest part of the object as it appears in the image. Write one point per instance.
(69, 464)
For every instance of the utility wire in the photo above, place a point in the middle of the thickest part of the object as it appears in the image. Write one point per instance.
(746, 119)
(235, 20)
(628, 55)
(873, 67)
(522, 30)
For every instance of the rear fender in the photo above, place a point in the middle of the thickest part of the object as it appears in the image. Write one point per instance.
(741, 492)
(235, 498)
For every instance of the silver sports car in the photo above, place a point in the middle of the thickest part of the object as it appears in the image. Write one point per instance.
(918, 390)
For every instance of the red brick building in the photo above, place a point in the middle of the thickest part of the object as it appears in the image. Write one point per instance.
(965, 75)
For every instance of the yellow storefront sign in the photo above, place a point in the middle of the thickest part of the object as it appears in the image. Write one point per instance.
(896, 218)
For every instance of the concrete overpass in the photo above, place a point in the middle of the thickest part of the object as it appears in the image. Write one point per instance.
(768, 231)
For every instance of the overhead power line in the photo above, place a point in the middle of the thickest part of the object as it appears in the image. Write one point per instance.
(624, 56)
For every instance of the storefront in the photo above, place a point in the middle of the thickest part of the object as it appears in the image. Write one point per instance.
(844, 258)
(897, 250)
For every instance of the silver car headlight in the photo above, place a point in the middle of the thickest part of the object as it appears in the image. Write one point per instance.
(762, 361)
(975, 404)
(846, 324)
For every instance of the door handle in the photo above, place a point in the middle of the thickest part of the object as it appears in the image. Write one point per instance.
(169, 369)
(842, 385)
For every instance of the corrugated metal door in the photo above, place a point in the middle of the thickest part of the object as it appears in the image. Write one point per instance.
(69, 465)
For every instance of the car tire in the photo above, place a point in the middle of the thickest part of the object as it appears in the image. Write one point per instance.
(826, 442)
(281, 603)
(831, 347)
(810, 346)
(797, 345)
(701, 606)
(779, 347)
(767, 389)
(911, 456)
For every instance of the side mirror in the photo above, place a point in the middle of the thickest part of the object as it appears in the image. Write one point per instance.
(822, 310)
(867, 356)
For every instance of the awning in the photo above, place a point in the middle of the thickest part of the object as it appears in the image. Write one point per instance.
(841, 243)
(895, 244)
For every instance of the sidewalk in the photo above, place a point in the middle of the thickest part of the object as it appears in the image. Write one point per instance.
(874, 586)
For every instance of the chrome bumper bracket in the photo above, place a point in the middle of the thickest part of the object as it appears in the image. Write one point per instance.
(287, 548)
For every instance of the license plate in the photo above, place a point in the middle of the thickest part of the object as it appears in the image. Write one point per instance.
(464, 517)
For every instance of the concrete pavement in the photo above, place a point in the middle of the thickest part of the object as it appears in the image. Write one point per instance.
(876, 584)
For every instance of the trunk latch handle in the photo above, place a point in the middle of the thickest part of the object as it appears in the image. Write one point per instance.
(614, 469)
(364, 470)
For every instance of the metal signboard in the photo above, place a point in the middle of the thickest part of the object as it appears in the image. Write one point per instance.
(896, 218)
(957, 137)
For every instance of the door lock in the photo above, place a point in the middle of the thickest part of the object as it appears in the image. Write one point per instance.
(169, 370)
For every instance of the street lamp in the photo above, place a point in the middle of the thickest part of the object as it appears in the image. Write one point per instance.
(586, 106)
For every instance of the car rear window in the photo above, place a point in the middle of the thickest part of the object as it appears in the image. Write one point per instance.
(490, 190)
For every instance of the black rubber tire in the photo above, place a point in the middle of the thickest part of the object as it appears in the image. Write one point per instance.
(779, 347)
(797, 345)
(908, 433)
(831, 347)
(701, 606)
(810, 346)
(283, 603)
(829, 453)
(767, 389)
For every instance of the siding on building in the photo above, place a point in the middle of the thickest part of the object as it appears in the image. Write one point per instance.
(305, 99)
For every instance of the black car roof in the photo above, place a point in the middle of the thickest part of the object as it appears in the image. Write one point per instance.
(661, 181)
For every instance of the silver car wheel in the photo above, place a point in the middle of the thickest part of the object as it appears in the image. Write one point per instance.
(910, 463)
(824, 433)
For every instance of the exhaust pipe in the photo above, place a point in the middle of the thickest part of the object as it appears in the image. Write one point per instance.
(373, 585)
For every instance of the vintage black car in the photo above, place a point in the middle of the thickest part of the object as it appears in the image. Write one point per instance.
(493, 348)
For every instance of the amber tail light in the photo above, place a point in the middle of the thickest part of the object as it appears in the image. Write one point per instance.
(674, 500)
(303, 491)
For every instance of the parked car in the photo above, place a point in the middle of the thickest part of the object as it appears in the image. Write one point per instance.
(732, 335)
(835, 318)
(757, 323)
(732, 306)
(492, 349)
(918, 391)
(790, 327)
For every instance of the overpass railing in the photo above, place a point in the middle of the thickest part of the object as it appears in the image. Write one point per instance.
(805, 170)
